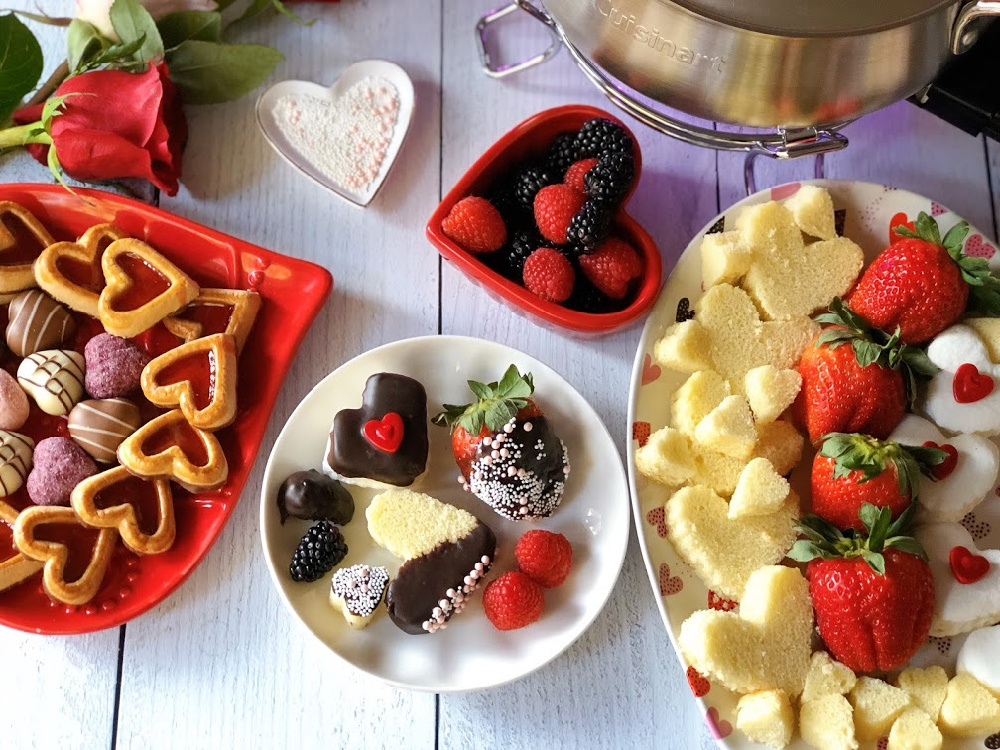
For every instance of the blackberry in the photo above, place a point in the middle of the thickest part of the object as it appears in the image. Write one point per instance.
(601, 136)
(321, 548)
(589, 226)
(511, 257)
(561, 153)
(610, 179)
(506, 202)
(529, 181)
(588, 298)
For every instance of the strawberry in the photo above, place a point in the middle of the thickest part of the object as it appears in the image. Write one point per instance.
(476, 225)
(612, 266)
(574, 175)
(873, 594)
(851, 470)
(513, 601)
(555, 207)
(508, 454)
(544, 556)
(922, 283)
(856, 388)
(549, 274)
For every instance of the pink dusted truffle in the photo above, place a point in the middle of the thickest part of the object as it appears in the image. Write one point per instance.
(113, 366)
(60, 465)
(13, 403)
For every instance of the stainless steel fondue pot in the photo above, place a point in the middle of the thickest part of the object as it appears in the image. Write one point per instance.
(799, 69)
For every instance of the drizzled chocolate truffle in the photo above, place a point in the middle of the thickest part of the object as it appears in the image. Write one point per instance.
(313, 496)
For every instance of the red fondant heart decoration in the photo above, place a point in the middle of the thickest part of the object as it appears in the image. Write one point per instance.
(969, 385)
(966, 566)
(385, 434)
(944, 469)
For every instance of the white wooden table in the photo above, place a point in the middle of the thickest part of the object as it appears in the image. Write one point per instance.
(221, 664)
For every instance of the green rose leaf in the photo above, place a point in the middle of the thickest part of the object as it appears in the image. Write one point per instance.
(20, 63)
(83, 43)
(207, 73)
(202, 25)
(131, 21)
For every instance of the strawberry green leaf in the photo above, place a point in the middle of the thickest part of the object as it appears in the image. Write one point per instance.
(907, 544)
(927, 228)
(480, 390)
(875, 561)
(956, 235)
(902, 524)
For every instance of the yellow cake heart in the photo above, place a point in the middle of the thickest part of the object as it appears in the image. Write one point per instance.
(766, 646)
(723, 551)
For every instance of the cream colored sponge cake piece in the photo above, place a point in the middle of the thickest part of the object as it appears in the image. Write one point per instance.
(728, 428)
(738, 340)
(778, 442)
(696, 397)
(666, 458)
(969, 709)
(684, 347)
(927, 688)
(759, 492)
(827, 677)
(788, 278)
(915, 730)
(764, 646)
(410, 524)
(766, 717)
(812, 211)
(877, 705)
(725, 257)
(725, 552)
(827, 723)
(770, 391)
(989, 331)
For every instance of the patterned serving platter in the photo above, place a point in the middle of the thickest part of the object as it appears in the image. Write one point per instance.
(864, 213)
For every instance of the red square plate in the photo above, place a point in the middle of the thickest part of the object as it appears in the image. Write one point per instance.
(292, 293)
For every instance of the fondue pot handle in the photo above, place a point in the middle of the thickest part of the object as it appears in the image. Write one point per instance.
(482, 33)
(967, 28)
(782, 144)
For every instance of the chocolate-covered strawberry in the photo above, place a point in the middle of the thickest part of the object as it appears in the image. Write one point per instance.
(922, 283)
(506, 449)
(856, 378)
(851, 470)
(873, 593)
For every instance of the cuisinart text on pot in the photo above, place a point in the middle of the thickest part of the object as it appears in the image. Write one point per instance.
(652, 39)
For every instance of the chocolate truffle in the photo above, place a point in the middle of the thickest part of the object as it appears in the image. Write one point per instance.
(36, 322)
(313, 496)
(60, 465)
(14, 406)
(100, 425)
(15, 461)
(114, 366)
(54, 378)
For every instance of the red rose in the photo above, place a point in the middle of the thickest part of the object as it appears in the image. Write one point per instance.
(117, 125)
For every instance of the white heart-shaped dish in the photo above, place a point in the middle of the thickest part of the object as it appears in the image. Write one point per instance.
(272, 115)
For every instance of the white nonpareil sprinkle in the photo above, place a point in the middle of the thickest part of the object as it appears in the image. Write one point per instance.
(347, 139)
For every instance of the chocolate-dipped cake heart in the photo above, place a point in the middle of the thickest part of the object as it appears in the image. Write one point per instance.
(384, 443)
(313, 496)
(448, 553)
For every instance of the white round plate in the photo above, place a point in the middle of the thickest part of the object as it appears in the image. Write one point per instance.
(869, 210)
(269, 125)
(470, 654)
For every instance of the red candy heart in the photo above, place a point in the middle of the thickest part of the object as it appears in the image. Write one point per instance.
(385, 434)
(944, 469)
(970, 385)
(967, 567)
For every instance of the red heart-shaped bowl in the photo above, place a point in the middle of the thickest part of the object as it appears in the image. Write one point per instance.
(529, 139)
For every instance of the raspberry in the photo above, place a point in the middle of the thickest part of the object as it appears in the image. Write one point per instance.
(612, 266)
(555, 207)
(544, 556)
(476, 225)
(549, 274)
(574, 175)
(512, 601)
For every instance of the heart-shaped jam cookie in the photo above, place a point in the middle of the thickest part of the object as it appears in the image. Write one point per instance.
(22, 240)
(71, 271)
(14, 566)
(199, 377)
(143, 288)
(169, 448)
(75, 558)
(231, 311)
(142, 510)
